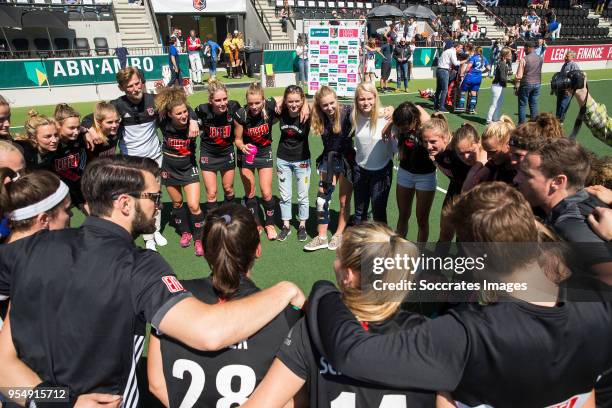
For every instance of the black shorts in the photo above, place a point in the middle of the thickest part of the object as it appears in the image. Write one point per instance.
(263, 159)
(218, 162)
(179, 171)
(385, 70)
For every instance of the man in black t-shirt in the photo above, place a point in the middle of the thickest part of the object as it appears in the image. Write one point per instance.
(552, 177)
(85, 329)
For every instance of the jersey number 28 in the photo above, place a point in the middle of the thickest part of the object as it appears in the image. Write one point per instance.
(247, 376)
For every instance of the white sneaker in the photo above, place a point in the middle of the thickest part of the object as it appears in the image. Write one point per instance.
(316, 243)
(335, 242)
(150, 244)
(159, 239)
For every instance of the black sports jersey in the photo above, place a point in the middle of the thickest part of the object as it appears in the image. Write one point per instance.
(227, 377)
(293, 145)
(137, 133)
(100, 150)
(452, 166)
(329, 388)
(257, 131)
(413, 155)
(34, 160)
(508, 354)
(94, 286)
(338, 142)
(216, 131)
(69, 164)
(176, 141)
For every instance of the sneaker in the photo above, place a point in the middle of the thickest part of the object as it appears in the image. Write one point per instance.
(150, 244)
(316, 243)
(442, 111)
(199, 249)
(285, 232)
(159, 239)
(301, 234)
(185, 240)
(335, 242)
(271, 232)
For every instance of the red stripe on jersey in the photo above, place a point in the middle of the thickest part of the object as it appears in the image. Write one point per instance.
(365, 326)
(69, 162)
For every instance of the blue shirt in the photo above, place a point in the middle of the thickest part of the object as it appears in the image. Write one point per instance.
(213, 47)
(4, 228)
(478, 64)
(173, 51)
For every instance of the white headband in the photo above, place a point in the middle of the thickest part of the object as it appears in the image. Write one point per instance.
(40, 207)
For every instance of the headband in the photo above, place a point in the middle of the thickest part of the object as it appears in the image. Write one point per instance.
(46, 204)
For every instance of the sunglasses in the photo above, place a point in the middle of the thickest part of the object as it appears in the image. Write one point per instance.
(155, 197)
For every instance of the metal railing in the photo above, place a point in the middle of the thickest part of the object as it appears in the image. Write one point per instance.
(262, 18)
(279, 46)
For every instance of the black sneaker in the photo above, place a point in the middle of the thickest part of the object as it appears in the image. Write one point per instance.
(301, 234)
(285, 232)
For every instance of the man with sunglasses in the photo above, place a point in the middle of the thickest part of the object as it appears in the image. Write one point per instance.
(80, 297)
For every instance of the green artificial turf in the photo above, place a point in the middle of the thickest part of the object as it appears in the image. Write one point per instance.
(286, 260)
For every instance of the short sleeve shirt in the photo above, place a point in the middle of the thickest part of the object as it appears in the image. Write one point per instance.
(257, 130)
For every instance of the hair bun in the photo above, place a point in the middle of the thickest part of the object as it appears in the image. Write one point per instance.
(33, 113)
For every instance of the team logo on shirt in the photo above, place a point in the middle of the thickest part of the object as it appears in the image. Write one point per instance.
(258, 133)
(173, 284)
(151, 111)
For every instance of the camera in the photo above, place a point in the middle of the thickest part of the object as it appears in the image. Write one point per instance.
(568, 81)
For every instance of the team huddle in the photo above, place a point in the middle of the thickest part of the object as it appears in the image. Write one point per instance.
(222, 341)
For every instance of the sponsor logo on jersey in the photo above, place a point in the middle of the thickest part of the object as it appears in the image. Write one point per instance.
(173, 284)
(180, 145)
(69, 162)
(218, 133)
(326, 368)
(257, 134)
(243, 345)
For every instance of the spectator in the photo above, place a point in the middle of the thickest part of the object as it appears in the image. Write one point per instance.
(391, 34)
(474, 32)
(335, 20)
(553, 30)
(411, 29)
(595, 116)
(456, 27)
(599, 8)
(535, 28)
(385, 69)
(284, 16)
(175, 63)
(532, 17)
(402, 52)
(302, 62)
(552, 177)
(528, 82)
(564, 96)
(447, 59)
(194, 47)
(525, 31)
(229, 56)
(503, 71)
(400, 29)
(541, 48)
(495, 50)
(213, 52)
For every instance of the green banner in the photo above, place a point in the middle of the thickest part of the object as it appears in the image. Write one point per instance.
(78, 71)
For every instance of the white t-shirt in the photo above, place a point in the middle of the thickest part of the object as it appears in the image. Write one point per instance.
(411, 31)
(412, 48)
(301, 51)
(373, 153)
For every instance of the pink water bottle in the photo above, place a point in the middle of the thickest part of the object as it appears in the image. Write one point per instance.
(250, 156)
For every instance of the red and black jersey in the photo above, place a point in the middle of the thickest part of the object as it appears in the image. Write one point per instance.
(69, 164)
(216, 131)
(34, 160)
(413, 155)
(177, 141)
(101, 150)
(229, 376)
(258, 130)
(328, 387)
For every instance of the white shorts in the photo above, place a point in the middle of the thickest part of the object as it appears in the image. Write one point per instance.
(196, 62)
(421, 182)
(370, 67)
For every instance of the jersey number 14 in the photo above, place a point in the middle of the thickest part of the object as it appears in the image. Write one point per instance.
(348, 400)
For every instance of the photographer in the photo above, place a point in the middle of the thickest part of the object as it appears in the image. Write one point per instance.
(564, 96)
(595, 114)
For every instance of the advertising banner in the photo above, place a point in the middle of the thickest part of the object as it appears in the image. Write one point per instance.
(54, 72)
(333, 57)
(199, 6)
(584, 53)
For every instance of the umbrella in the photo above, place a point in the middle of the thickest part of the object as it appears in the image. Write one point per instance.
(385, 11)
(10, 17)
(46, 19)
(419, 11)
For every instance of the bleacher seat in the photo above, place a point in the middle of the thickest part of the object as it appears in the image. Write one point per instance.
(101, 46)
(22, 45)
(62, 47)
(81, 47)
(43, 47)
